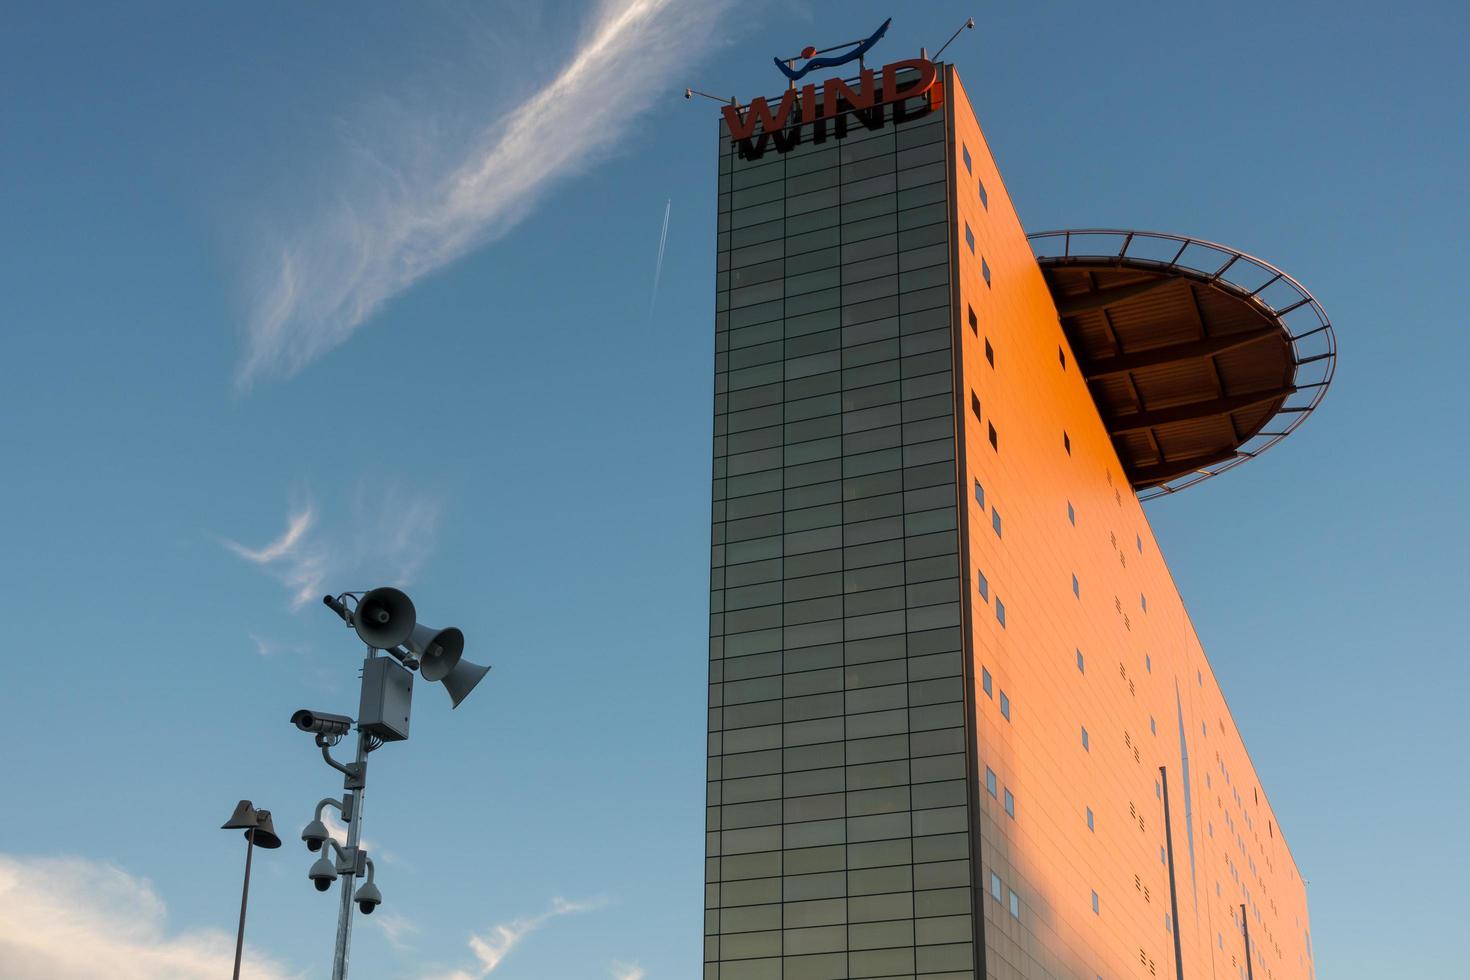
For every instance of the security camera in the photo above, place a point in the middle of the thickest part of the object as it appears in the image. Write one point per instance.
(315, 835)
(368, 897)
(322, 723)
(322, 873)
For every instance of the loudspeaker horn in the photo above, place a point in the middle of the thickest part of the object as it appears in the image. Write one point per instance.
(384, 618)
(460, 681)
(438, 650)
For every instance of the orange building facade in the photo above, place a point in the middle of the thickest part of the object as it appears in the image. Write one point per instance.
(953, 687)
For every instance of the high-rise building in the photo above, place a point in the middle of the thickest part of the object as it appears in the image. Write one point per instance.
(960, 725)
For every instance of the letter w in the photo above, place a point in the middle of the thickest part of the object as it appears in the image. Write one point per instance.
(759, 112)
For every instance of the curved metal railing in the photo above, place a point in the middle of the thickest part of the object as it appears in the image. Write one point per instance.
(1313, 344)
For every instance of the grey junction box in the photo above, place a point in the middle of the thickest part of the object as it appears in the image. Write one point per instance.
(387, 695)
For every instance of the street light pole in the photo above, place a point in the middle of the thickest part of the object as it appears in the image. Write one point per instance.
(258, 829)
(244, 898)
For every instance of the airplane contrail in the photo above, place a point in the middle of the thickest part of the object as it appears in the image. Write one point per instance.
(658, 266)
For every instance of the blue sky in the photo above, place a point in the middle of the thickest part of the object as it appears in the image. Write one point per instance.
(287, 266)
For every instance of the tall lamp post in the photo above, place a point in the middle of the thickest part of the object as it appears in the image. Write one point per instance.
(258, 831)
(386, 621)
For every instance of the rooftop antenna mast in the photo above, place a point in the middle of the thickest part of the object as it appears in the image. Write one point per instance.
(967, 25)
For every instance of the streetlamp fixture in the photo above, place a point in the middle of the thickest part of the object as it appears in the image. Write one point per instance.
(385, 620)
(258, 831)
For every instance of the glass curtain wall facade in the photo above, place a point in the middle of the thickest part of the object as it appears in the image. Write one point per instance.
(839, 831)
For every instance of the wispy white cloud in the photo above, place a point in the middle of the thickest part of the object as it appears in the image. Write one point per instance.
(391, 225)
(396, 928)
(628, 971)
(384, 534)
(493, 946)
(70, 918)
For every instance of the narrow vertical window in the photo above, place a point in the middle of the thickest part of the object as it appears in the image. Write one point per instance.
(984, 197)
(1085, 746)
(1076, 587)
(1143, 601)
(983, 584)
(985, 681)
(965, 153)
(1062, 356)
(974, 321)
(984, 266)
(975, 408)
(1081, 666)
(995, 886)
(1095, 904)
(1000, 612)
(1090, 825)
(970, 241)
(1010, 805)
(1015, 906)
(995, 521)
(994, 438)
(990, 780)
(1148, 663)
(989, 352)
(1071, 514)
(1066, 442)
(1005, 706)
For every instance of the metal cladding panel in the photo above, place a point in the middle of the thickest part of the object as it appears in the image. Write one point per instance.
(839, 820)
(1089, 678)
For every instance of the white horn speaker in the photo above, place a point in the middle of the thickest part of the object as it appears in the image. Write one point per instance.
(437, 650)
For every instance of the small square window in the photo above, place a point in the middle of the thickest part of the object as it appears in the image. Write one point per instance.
(1085, 746)
(1010, 805)
(985, 681)
(974, 321)
(1066, 442)
(989, 352)
(965, 153)
(1071, 514)
(995, 521)
(984, 266)
(979, 495)
(1090, 825)
(990, 780)
(1076, 587)
(1081, 667)
(984, 197)
(1005, 706)
(1015, 906)
(1000, 612)
(994, 438)
(995, 886)
(975, 405)
(970, 238)
(983, 584)
(1095, 904)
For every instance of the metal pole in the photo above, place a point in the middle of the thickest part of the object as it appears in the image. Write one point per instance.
(1245, 928)
(1173, 892)
(355, 787)
(244, 897)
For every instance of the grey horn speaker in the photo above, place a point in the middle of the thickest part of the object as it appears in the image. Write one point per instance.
(460, 681)
(438, 650)
(384, 618)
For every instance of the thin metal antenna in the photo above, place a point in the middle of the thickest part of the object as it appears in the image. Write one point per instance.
(690, 93)
(969, 24)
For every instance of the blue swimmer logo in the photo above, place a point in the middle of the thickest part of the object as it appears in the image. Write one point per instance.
(859, 48)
